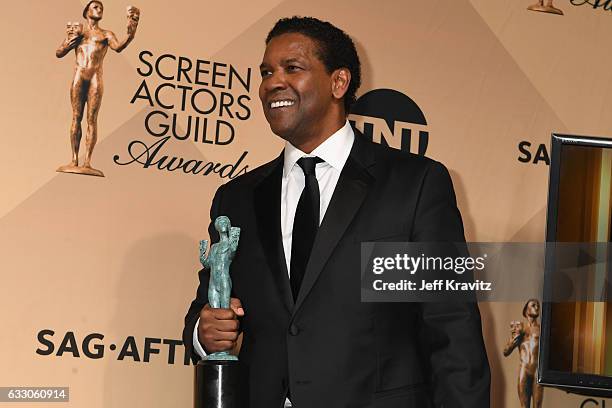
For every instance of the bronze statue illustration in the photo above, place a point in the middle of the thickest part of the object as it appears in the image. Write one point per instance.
(90, 44)
(218, 261)
(526, 338)
(548, 8)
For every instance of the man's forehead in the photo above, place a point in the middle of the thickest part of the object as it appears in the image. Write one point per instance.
(290, 46)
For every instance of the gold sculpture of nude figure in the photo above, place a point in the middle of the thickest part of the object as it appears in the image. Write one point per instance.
(90, 44)
(526, 338)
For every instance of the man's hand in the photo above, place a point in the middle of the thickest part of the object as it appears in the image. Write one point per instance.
(219, 328)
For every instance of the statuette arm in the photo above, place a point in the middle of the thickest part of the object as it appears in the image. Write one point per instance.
(513, 343)
(73, 37)
(204, 260)
(133, 17)
(234, 236)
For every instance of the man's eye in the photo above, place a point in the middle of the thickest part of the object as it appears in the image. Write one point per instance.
(293, 68)
(265, 73)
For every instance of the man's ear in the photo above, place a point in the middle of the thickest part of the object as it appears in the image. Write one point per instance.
(341, 78)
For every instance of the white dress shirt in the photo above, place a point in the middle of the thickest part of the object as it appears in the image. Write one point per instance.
(334, 151)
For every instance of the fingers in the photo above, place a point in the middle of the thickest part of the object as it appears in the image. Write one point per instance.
(235, 310)
(227, 325)
(214, 340)
(236, 306)
(211, 333)
(221, 346)
(219, 336)
(217, 314)
(219, 328)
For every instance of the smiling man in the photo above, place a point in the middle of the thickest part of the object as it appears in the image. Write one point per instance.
(296, 275)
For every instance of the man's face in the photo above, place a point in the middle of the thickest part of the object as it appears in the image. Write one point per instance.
(296, 89)
(95, 10)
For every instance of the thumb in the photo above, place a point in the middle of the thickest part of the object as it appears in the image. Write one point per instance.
(236, 306)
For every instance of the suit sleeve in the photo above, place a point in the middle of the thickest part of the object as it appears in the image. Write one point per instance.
(450, 332)
(201, 299)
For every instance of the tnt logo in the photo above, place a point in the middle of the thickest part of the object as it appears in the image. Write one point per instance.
(392, 119)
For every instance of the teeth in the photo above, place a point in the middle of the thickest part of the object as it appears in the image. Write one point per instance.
(278, 104)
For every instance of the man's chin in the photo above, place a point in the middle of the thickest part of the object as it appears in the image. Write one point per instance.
(282, 131)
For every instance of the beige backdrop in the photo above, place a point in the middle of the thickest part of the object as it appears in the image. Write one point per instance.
(118, 256)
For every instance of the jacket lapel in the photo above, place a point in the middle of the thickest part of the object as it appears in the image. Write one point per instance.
(348, 196)
(267, 195)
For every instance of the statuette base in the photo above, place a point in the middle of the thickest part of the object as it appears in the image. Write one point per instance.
(87, 171)
(221, 356)
(220, 384)
(545, 9)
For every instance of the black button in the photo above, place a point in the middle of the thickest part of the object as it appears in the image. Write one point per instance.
(294, 330)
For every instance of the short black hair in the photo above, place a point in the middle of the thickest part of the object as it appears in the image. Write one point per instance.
(335, 48)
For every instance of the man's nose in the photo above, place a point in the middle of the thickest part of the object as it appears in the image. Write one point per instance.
(276, 81)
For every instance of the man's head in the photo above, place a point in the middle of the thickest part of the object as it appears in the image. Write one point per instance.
(310, 73)
(94, 10)
(531, 308)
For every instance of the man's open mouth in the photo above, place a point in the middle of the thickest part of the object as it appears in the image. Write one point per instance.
(281, 103)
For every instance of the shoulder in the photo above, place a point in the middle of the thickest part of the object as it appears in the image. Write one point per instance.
(405, 163)
(249, 180)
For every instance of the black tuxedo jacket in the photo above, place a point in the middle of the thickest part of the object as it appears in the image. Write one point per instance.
(328, 348)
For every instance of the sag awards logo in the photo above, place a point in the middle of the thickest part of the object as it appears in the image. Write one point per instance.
(605, 5)
(593, 403)
(532, 153)
(96, 346)
(188, 101)
(392, 119)
(196, 101)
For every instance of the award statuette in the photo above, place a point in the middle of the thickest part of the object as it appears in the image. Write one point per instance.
(526, 339)
(90, 44)
(219, 379)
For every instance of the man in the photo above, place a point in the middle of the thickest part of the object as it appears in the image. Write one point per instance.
(527, 339)
(90, 47)
(306, 334)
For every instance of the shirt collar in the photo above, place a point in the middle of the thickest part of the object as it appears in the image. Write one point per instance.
(334, 150)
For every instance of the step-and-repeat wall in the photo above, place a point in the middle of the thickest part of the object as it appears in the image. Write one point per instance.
(97, 272)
